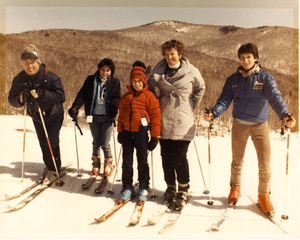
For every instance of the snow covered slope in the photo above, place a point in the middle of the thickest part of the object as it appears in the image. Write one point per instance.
(69, 211)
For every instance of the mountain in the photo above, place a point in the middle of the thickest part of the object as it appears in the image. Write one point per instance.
(74, 54)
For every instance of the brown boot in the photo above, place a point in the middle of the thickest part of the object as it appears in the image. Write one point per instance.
(96, 164)
(108, 166)
(265, 203)
(234, 195)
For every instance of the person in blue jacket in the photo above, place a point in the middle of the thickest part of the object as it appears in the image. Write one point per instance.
(100, 95)
(36, 87)
(251, 89)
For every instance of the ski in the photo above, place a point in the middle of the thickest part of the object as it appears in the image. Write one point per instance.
(169, 224)
(114, 209)
(221, 220)
(103, 183)
(159, 212)
(136, 216)
(37, 192)
(272, 217)
(35, 184)
(91, 180)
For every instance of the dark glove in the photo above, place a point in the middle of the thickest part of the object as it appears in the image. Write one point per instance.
(24, 96)
(37, 93)
(120, 137)
(152, 143)
(73, 112)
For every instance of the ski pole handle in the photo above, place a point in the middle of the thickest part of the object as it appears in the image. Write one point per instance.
(208, 110)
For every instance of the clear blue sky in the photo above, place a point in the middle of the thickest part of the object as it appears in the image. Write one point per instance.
(21, 16)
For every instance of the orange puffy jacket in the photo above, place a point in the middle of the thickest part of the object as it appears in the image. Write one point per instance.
(137, 105)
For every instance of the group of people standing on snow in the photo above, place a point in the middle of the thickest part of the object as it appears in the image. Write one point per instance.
(162, 105)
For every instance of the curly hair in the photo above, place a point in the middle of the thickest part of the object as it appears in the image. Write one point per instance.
(107, 62)
(179, 46)
(248, 48)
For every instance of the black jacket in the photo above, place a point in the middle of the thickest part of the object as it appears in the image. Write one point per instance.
(54, 95)
(87, 94)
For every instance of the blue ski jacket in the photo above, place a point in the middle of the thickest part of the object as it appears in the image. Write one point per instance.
(250, 96)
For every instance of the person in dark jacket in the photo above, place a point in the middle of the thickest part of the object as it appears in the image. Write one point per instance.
(100, 95)
(251, 89)
(38, 87)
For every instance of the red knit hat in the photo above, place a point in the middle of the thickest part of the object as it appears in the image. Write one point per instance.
(138, 71)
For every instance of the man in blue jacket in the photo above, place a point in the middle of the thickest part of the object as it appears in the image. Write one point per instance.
(38, 87)
(251, 89)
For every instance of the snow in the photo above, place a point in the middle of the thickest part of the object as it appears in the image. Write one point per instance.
(69, 211)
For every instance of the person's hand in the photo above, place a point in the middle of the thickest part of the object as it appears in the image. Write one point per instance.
(37, 93)
(289, 121)
(24, 96)
(208, 116)
(120, 137)
(152, 143)
(73, 112)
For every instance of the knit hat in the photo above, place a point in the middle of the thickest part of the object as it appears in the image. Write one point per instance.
(138, 71)
(30, 52)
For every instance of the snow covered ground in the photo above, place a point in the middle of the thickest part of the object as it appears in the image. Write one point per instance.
(69, 211)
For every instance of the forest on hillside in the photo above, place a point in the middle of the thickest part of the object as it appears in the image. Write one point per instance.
(74, 54)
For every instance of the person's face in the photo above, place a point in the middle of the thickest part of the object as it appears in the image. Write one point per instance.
(137, 84)
(247, 60)
(172, 56)
(105, 72)
(31, 66)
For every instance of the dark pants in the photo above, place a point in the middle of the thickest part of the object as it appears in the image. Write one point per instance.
(137, 140)
(174, 161)
(53, 127)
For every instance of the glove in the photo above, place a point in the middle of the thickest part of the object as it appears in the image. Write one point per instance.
(24, 96)
(73, 112)
(120, 136)
(152, 143)
(37, 93)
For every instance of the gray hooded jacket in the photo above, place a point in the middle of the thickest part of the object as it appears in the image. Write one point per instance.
(178, 99)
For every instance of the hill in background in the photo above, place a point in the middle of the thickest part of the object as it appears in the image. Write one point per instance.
(74, 54)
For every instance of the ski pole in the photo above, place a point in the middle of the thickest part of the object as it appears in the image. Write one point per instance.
(208, 110)
(111, 192)
(59, 182)
(115, 150)
(153, 197)
(24, 138)
(285, 216)
(206, 191)
(76, 144)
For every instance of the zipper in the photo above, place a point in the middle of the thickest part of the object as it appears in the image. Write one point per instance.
(245, 86)
(130, 113)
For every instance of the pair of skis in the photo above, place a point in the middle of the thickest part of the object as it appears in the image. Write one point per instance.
(135, 218)
(42, 188)
(229, 209)
(101, 187)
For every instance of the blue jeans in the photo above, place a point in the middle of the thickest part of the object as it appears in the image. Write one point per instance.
(101, 129)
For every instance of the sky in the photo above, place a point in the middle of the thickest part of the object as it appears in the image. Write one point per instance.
(18, 16)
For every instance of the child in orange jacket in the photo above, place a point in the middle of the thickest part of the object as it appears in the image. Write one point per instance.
(139, 111)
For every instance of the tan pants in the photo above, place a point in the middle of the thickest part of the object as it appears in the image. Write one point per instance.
(259, 134)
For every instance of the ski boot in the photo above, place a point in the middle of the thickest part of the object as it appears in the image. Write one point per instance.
(50, 177)
(142, 195)
(181, 197)
(125, 195)
(265, 204)
(96, 165)
(234, 195)
(108, 166)
(170, 193)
